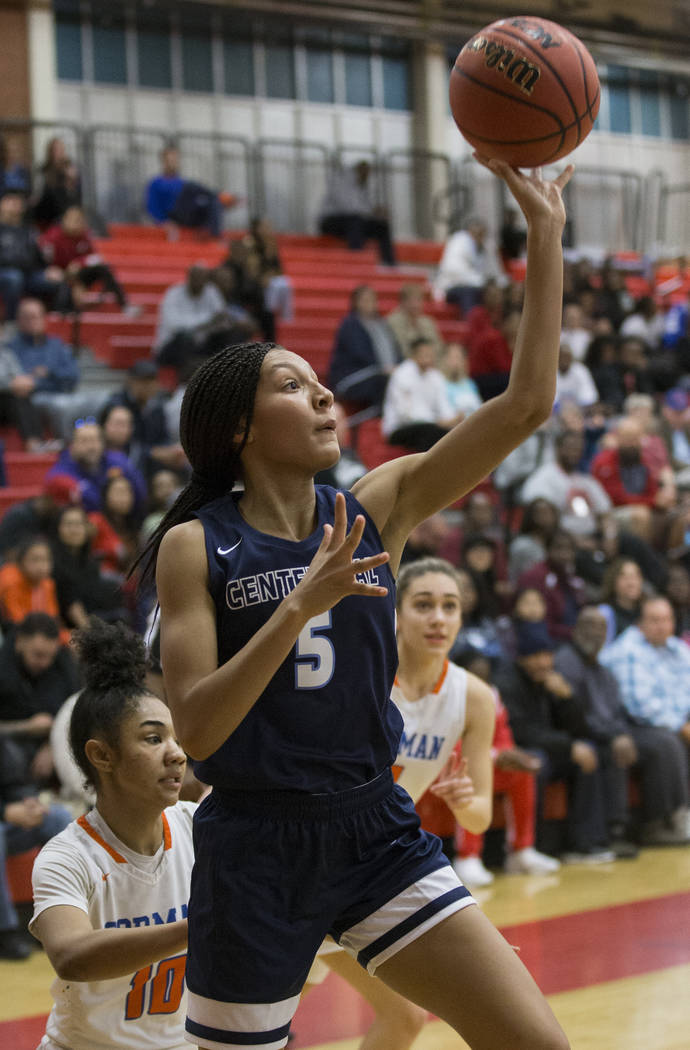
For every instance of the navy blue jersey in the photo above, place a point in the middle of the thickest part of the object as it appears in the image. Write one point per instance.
(325, 722)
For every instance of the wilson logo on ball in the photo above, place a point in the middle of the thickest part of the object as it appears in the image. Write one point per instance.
(515, 67)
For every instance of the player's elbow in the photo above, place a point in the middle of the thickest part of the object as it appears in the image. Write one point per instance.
(527, 411)
(71, 965)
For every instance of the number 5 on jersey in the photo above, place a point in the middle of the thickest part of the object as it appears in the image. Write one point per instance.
(315, 654)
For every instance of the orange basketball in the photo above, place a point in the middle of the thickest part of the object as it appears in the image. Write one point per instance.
(524, 90)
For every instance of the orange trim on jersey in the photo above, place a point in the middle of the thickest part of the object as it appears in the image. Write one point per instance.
(167, 837)
(84, 824)
(437, 687)
(444, 672)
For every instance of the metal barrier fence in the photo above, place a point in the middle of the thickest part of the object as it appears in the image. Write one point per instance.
(425, 193)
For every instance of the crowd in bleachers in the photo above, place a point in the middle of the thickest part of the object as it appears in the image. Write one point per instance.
(574, 556)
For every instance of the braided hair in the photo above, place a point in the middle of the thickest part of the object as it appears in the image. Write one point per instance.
(217, 406)
(113, 664)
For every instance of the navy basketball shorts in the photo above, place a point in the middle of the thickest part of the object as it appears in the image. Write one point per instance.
(276, 872)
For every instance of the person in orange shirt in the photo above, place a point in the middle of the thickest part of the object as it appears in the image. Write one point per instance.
(27, 585)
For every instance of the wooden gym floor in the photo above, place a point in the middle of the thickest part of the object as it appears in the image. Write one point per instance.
(609, 945)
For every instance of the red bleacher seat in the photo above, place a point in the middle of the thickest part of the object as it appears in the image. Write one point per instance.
(28, 468)
(372, 447)
(17, 494)
(19, 868)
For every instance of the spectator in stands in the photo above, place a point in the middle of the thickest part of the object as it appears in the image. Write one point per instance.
(491, 355)
(556, 579)
(151, 445)
(579, 498)
(349, 467)
(675, 431)
(174, 201)
(240, 281)
(529, 607)
(25, 823)
(641, 408)
(678, 593)
(68, 246)
(613, 299)
(119, 507)
(260, 243)
(60, 185)
(468, 263)
(621, 595)
(87, 460)
(478, 632)
(23, 269)
(364, 353)
(50, 363)
(646, 322)
(596, 711)
(539, 522)
(189, 314)
(82, 589)
(574, 380)
(574, 331)
(479, 558)
(534, 694)
(15, 176)
(27, 584)
(117, 424)
(652, 668)
(514, 780)
(349, 210)
(630, 480)
(16, 405)
(512, 238)
(462, 392)
(633, 364)
(164, 489)
(604, 366)
(38, 515)
(37, 674)
(416, 408)
(408, 322)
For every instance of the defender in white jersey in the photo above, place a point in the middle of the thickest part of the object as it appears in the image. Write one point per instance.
(111, 890)
(441, 704)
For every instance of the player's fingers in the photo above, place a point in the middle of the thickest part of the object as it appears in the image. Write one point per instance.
(339, 519)
(565, 176)
(368, 590)
(371, 562)
(356, 532)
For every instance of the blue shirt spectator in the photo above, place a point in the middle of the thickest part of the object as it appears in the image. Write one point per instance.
(46, 358)
(86, 460)
(161, 194)
(652, 668)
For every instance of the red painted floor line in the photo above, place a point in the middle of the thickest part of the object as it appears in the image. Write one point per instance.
(575, 951)
(563, 953)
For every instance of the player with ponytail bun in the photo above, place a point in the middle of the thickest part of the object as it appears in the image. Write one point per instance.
(279, 656)
(111, 890)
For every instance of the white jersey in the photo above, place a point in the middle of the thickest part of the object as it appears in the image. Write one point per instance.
(87, 867)
(432, 727)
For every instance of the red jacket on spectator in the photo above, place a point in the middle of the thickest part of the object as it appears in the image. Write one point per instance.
(606, 469)
(488, 353)
(564, 596)
(61, 248)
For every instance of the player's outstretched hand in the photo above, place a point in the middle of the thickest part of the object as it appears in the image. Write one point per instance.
(538, 199)
(454, 784)
(333, 572)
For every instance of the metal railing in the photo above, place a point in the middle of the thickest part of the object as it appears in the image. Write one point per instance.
(425, 193)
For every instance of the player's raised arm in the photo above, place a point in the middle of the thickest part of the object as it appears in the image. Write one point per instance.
(404, 492)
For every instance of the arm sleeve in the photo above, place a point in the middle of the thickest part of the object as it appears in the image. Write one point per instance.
(60, 876)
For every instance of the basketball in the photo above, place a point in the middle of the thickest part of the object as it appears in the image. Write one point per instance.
(524, 90)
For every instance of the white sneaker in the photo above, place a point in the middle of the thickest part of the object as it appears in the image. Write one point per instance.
(472, 872)
(595, 856)
(530, 861)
